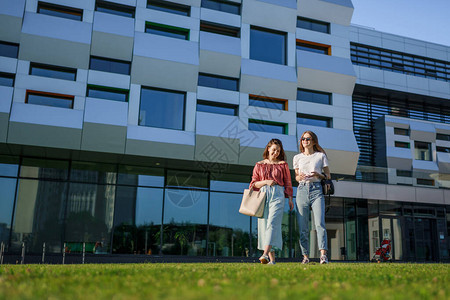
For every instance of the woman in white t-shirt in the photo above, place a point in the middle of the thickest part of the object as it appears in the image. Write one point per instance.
(309, 165)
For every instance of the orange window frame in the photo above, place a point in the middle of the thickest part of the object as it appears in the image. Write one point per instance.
(55, 95)
(265, 98)
(328, 47)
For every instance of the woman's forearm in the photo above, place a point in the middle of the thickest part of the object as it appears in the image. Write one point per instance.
(260, 184)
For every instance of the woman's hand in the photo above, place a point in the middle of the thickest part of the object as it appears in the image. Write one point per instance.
(318, 175)
(291, 204)
(301, 177)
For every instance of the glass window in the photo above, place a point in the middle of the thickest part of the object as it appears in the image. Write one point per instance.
(115, 8)
(313, 96)
(179, 178)
(401, 131)
(220, 29)
(404, 173)
(266, 126)
(401, 144)
(44, 169)
(313, 25)
(185, 222)
(89, 216)
(107, 93)
(169, 7)
(110, 65)
(314, 120)
(218, 82)
(217, 108)
(162, 108)
(49, 99)
(166, 30)
(422, 151)
(225, 6)
(53, 71)
(39, 216)
(268, 45)
(60, 11)
(9, 49)
(314, 48)
(141, 176)
(423, 181)
(9, 166)
(7, 79)
(443, 149)
(266, 102)
(8, 188)
(82, 171)
(228, 229)
(442, 137)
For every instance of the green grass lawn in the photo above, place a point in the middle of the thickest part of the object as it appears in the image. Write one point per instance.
(226, 281)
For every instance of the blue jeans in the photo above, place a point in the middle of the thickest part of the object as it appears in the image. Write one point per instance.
(310, 195)
(269, 226)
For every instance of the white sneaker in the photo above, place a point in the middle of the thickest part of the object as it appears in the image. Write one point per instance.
(271, 263)
(305, 260)
(264, 259)
(323, 259)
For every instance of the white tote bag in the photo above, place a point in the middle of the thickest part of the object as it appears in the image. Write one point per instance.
(253, 203)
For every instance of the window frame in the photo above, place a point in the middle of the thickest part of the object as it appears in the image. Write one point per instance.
(442, 137)
(312, 22)
(49, 95)
(115, 9)
(208, 103)
(169, 7)
(311, 46)
(213, 76)
(283, 102)
(417, 150)
(167, 29)
(284, 58)
(270, 123)
(11, 76)
(401, 131)
(16, 46)
(400, 144)
(109, 60)
(94, 87)
(315, 117)
(53, 68)
(329, 95)
(443, 149)
(62, 9)
(204, 4)
(221, 29)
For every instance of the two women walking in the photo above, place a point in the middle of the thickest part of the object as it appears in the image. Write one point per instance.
(272, 175)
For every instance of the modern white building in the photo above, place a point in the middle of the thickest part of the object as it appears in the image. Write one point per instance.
(134, 125)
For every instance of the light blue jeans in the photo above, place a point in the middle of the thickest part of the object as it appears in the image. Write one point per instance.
(269, 226)
(310, 195)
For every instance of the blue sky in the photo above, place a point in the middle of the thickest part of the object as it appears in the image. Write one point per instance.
(427, 20)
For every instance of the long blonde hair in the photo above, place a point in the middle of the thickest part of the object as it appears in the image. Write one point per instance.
(315, 139)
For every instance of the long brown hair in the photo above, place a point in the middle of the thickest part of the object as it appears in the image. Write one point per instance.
(281, 156)
(315, 139)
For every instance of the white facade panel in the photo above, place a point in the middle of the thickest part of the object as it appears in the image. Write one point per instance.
(8, 64)
(211, 94)
(108, 79)
(6, 96)
(214, 124)
(114, 24)
(215, 16)
(103, 111)
(269, 15)
(52, 85)
(161, 135)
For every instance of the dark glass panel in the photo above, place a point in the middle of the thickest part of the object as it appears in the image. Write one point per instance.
(220, 29)
(334, 221)
(317, 49)
(218, 82)
(267, 103)
(107, 93)
(170, 7)
(9, 166)
(390, 208)
(443, 137)
(7, 79)
(115, 9)
(89, 217)
(49, 100)
(141, 176)
(178, 178)
(228, 230)
(39, 216)
(110, 65)
(313, 96)
(313, 25)
(266, 127)
(169, 31)
(125, 230)
(9, 49)
(313, 120)
(401, 131)
(93, 172)
(8, 191)
(185, 219)
(60, 11)
(401, 144)
(225, 6)
(162, 108)
(44, 169)
(217, 108)
(268, 46)
(53, 71)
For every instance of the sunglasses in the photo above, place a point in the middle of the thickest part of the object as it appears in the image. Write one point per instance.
(306, 139)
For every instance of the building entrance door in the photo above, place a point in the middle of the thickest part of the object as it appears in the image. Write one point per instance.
(391, 229)
(425, 236)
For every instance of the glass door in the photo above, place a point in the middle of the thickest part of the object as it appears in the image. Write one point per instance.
(391, 230)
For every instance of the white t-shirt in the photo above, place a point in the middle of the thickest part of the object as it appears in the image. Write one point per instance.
(308, 163)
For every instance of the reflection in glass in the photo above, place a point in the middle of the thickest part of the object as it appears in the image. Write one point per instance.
(268, 46)
(41, 168)
(90, 213)
(9, 166)
(398, 247)
(8, 190)
(125, 231)
(374, 236)
(39, 215)
(334, 222)
(228, 229)
(93, 172)
(185, 218)
(141, 176)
